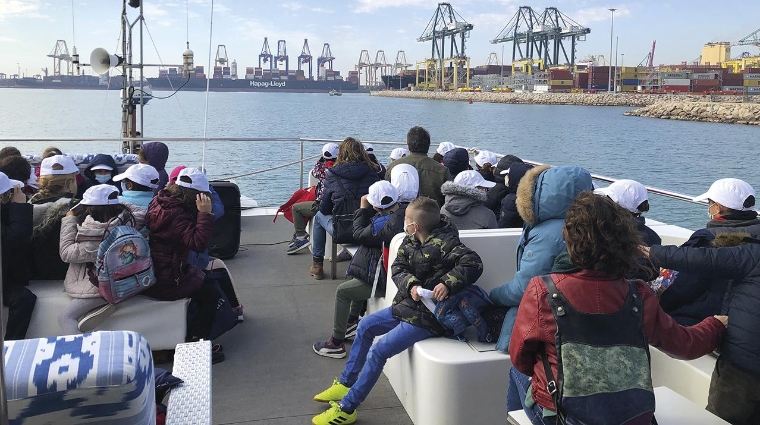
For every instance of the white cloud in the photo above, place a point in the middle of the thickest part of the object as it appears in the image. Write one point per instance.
(367, 6)
(292, 6)
(21, 9)
(490, 21)
(321, 10)
(8, 39)
(598, 14)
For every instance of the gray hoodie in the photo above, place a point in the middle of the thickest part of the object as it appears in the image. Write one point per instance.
(464, 207)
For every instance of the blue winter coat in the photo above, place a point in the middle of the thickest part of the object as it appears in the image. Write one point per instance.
(741, 264)
(543, 197)
(356, 177)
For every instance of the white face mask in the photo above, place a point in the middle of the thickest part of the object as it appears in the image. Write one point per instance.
(103, 178)
(712, 216)
(406, 228)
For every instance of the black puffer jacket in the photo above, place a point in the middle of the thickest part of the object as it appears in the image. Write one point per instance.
(695, 295)
(16, 233)
(495, 195)
(356, 177)
(741, 264)
(371, 231)
(508, 217)
(442, 258)
(89, 176)
(45, 258)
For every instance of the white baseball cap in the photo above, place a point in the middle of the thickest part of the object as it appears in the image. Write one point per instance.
(101, 167)
(58, 165)
(197, 179)
(472, 178)
(101, 194)
(330, 150)
(369, 147)
(382, 194)
(399, 153)
(629, 194)
(406, 180)
(142, 174)
(7, 184)
(731, 193)
(445, 147)
(486, 157)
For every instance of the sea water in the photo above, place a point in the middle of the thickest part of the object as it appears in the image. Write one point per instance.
(679, 156)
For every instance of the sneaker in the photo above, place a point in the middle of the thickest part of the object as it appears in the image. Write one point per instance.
(217, 353)
(298, 246)
(344, 256)
(334, 416)
(351, 330)
(335, 393)
(95, 317)
(329, 349)
(239, 311)
(292, 241)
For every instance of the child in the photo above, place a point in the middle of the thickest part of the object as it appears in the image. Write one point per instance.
(82, 231)
(137, 184)
(379, 219)
(431, 257)
(156, 154)
(101, 170)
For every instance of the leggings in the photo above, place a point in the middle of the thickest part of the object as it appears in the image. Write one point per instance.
(77, 307)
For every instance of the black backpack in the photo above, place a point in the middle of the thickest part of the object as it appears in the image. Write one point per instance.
(343, 216)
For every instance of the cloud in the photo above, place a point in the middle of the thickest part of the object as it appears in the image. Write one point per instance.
(367, 6)
(490, 21)
(8, 39)
(321, 10)
(598, 14)
(292, 6)
(21, 9)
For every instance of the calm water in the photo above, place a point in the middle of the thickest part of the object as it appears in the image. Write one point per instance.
(679, 156)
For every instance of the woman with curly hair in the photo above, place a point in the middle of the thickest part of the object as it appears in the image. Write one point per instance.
(355, 172)
(584, 321)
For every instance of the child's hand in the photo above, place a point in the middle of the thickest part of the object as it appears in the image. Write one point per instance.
(415, 296)
(364, 202)
(441, 292)
(203, 202)
(18, 196)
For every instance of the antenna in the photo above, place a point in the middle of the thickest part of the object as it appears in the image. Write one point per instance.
(187, 23)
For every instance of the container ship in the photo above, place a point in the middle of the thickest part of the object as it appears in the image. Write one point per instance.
(71, 82)
(255, 80)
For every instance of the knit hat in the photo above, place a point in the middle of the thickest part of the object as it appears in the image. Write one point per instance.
(629, 194)
(472, 178)
(445, 147)
(330, 150)
(142, 174)
(382, 194)
(101, 194)
(193, 178)
(58, 165)
(731, 193)
(399, 153)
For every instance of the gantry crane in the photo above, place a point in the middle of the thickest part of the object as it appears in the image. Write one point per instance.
(365, 64)
(282, 55)
(60, 53)
(542, 37)
(266, 55)
(401, 64)
(447, 27)
(493, 59)
(750, 40)
(305, 57)
(221, 56)
(325, 60)
(380, 65)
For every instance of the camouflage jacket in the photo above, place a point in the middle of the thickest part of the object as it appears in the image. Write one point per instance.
(442, 258)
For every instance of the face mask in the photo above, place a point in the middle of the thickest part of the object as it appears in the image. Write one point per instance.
(102, 178)
(406, 229)
(712, 216)
(124, 187)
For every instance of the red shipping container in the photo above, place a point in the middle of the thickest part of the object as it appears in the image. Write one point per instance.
(681, 89)
(701, 83)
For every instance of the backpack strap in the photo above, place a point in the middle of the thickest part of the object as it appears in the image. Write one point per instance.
(342, 188)
(551, 384)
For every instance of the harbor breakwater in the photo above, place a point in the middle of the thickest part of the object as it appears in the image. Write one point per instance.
(719, 109)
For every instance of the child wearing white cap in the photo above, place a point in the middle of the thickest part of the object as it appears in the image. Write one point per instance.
(632, 196)
(380, 218)
(101, 170)
(441, 150)
(137, 185)
(16, 232)
(82, 230)
(464, 201)
(398, 153)
(485, 162)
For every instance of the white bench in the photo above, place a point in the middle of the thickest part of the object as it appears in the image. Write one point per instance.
(443, 381)
(671, 409)
(190, 402)
(162, 323)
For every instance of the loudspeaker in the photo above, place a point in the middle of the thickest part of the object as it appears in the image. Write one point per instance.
(101, 61)
(225, 241)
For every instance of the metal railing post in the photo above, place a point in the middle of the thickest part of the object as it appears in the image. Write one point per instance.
(3, 394)
(300, 166)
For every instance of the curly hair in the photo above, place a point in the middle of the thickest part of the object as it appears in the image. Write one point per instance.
(186, 195)
(56, 185)
(601, 235)
(352, 150)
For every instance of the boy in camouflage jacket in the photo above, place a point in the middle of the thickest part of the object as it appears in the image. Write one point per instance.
(431, 257)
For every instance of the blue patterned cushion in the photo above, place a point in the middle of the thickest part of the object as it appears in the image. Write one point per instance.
(100, 377)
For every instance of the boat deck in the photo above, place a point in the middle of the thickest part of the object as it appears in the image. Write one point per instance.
(271, 373)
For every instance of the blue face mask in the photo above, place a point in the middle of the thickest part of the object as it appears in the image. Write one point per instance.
(103, 178)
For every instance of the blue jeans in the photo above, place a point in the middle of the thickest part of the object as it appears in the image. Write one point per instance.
(518, 389)
(322, 226)
(369, 358)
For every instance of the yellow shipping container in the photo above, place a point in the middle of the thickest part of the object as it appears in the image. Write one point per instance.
(751, 83)
(560, 82)
(628, 88)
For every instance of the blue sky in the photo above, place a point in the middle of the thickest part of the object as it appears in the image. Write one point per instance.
(29, 28)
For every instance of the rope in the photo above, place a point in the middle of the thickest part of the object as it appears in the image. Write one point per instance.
(208, 82)
(273, 168)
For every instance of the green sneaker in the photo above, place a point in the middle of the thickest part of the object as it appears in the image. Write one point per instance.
(334, 416)
(336, 392)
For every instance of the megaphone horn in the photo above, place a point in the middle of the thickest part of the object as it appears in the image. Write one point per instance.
(101, 61)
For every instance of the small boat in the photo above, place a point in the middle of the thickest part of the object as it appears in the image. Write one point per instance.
(334, 92)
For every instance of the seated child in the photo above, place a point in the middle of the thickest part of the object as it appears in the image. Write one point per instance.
(379, 219)
(431, 257)
(137, 184)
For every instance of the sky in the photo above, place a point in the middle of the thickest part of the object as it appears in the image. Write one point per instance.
(29, 28)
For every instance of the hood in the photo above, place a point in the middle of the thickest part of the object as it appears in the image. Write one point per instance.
(460, 199)
(729, 239)
(546, 192)
(563, 264)
(456, 160)
(506, 162)
(406, 179)
(91, 227)
(157, 154)
(352, 170)
(516, 173)
(101, 159)
(736, 219)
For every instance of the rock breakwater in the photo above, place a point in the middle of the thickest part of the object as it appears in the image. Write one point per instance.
(728, 113)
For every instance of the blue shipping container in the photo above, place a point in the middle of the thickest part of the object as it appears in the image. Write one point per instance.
(630, 82)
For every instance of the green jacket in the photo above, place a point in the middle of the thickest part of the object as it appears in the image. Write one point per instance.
(432, 174)
(442, 258)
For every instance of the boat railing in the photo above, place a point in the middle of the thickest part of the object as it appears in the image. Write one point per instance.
(302, 158)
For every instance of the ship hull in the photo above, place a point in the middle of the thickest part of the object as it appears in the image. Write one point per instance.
(64, 82)
(247, 85)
